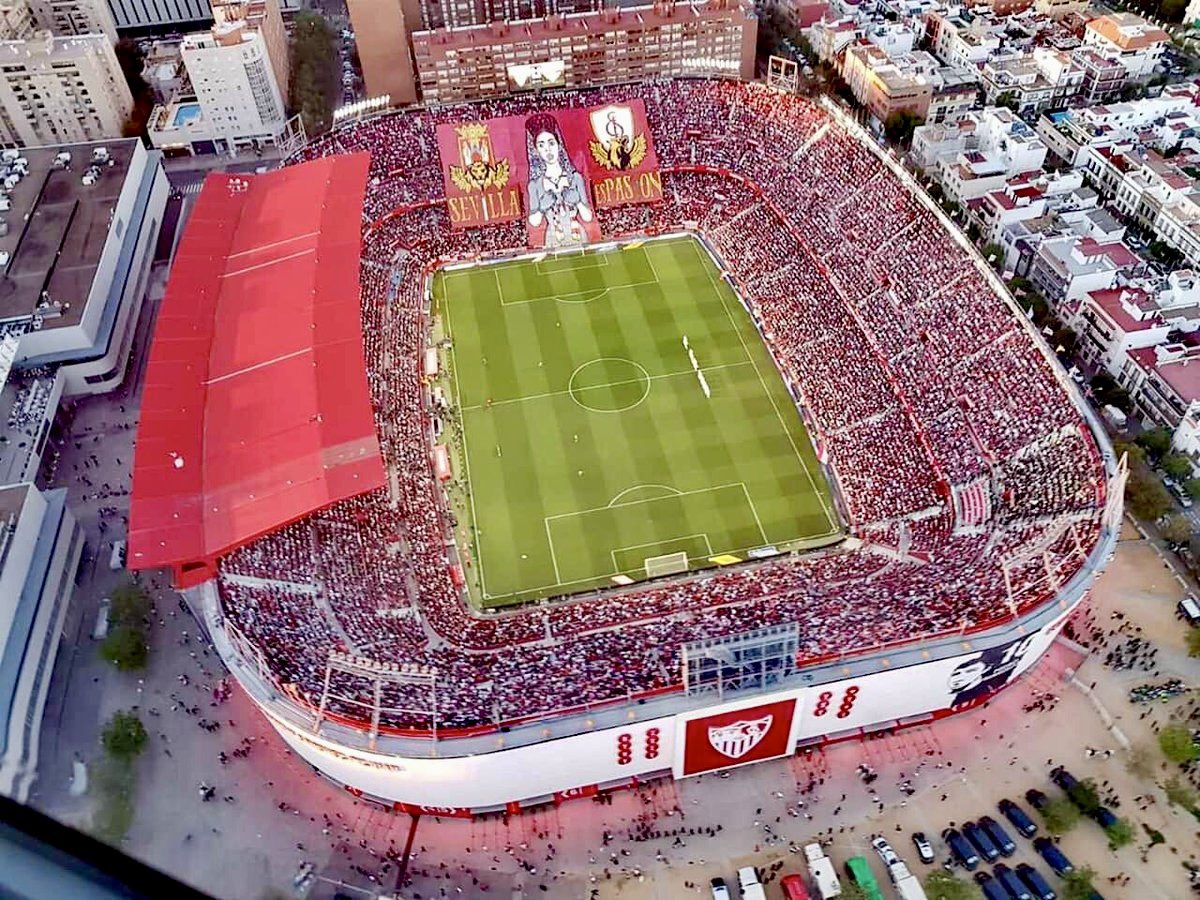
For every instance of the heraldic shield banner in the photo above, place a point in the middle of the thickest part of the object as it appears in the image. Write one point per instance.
(745, 735)
(552, 168)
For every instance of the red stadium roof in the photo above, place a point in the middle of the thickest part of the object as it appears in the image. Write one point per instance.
(256, 410)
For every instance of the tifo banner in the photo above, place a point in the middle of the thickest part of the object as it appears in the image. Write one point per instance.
(555, 168)
(480, 169)
(621, 156)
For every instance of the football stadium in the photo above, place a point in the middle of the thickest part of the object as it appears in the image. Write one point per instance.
(526, 450)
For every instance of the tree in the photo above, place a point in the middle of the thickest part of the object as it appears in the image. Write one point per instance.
(1192, 486)
(1176, 743)
(1146, 496)
(1180, 793)
(1193, 641)
(1155, 441)
(1141, 762)
(1008, 100)
(1119, 834)
(1061, 816)
(1077, 885)
(124, 736)
(851, 891)
(130, 605)
(942, 885)
(1084, 795)
(899, 127)
(1177, 529)
(1177, 466)
(125, 647)
(313, 81)
(1136, 453)
(994, 254)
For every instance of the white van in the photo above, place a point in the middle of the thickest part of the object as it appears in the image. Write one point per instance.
(1189, 609)
(751, 888)
(100, 629)
(116, 560)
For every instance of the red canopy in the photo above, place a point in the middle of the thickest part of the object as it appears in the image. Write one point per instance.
(255, 411)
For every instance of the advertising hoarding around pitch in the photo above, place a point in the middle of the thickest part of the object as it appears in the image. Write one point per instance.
(553, 168)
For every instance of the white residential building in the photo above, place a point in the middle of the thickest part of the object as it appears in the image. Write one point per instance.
(1164, 122)
(978, 153)
(957, 41)
(1066, 268)
(61, 89)
(1128, 39)
(238, 77)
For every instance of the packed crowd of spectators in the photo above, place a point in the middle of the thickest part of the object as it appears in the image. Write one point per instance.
(913, 374)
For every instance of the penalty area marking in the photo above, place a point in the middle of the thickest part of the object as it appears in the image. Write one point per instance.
(670, 492)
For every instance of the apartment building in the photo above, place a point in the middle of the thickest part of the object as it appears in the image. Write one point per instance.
(958, 40)
(236, 85)
(1030, 82)
(979, 153)
(715, 37)
(67, 17)
(1127, 39)
(61, 89)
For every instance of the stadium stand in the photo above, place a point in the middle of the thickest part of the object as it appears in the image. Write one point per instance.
(918, 383)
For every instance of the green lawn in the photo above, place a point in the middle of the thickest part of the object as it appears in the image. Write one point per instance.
(581, 439)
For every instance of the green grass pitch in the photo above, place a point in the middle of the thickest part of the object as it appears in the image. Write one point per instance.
(581, 438)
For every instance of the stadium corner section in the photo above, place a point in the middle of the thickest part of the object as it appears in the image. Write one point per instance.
(720, 503)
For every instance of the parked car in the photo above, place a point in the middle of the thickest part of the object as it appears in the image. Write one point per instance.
(720, 890)
(961, 848)
(1063, 778)
(981, 841)
(885, 851)
(1035, 882)
(1004, 843)
(992, 889)
(1054, 857)
(1016, 888)
(1018, 818)
(1036, 798)
(924, 848)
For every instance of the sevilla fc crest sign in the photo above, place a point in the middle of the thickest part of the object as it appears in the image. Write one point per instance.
(736, 737)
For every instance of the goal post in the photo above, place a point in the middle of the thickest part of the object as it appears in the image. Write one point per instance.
(667, 564)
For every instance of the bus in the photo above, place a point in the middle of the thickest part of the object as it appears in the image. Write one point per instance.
(860, 874)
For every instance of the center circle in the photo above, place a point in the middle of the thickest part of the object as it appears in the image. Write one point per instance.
(609, 384)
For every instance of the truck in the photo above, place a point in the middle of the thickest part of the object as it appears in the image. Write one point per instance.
(821, 868)
(905, 882)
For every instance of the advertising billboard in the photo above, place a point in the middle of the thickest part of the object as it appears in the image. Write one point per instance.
(735, 737)
(555, 168)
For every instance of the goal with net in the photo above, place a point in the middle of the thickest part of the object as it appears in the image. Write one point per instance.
(668, 564)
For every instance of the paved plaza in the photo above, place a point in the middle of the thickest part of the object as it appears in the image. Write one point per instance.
(271, 814)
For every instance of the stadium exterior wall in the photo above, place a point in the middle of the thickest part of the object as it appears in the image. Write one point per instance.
(618, 746)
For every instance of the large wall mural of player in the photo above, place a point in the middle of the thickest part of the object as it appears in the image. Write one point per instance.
(981, 675)
(559, 207)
